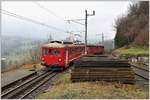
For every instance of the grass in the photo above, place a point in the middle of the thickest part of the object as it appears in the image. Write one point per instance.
(64, 89)
(30, 66)
(132, 52)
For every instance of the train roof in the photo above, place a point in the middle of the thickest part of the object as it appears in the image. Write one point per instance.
(62, 42)
(54, 45)
(58, 45)
(92, 45)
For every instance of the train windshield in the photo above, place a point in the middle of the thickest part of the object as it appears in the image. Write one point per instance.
(51, 52)
(45, 51)
(56, 52)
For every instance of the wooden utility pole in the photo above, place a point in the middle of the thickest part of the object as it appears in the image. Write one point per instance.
(102, 38)
(86, 31)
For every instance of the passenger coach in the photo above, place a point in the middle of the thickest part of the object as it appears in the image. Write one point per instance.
(95, 49)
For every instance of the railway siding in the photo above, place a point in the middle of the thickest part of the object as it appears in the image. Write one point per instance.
(142, 76)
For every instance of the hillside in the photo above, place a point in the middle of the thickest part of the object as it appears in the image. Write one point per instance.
(16, 45)
(18, 51)
(133, 29)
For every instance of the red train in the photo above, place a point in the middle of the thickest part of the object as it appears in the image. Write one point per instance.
(95, 49)
(58, 55)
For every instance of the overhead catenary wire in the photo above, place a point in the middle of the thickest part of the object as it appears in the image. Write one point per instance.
(54, 14)
(29, 20)
(49, 11)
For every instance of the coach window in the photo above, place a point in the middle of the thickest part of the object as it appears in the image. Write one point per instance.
(70, 50)
(57, 52)
(74, 50)
(79, 49)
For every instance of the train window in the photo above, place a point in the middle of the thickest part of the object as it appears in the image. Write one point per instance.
(71, 50)
(57, 52)
(80, 49)
(50, 52)
(44, 51)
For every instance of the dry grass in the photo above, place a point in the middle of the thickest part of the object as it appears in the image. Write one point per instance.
(30, 66)
(64, 89)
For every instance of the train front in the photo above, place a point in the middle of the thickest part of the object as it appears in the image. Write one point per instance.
(53, 56)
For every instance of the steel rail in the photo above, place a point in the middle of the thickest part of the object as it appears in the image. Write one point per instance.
(13, 89)
(139, 67)
(40, 84)
(32, 81)
(142, 76)
(16, 81)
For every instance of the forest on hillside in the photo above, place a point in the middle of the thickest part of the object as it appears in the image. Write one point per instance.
(133, 28)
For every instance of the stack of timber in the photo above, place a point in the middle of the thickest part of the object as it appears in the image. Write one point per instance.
(101, 68)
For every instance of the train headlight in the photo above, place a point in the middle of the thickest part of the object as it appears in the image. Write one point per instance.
(59, 59)
(42, 59)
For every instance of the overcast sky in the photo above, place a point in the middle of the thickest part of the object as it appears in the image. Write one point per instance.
(105, 14)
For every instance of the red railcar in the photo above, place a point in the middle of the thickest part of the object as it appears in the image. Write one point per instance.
(95, 49)
(59, 56)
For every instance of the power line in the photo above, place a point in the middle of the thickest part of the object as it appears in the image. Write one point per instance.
(28, 19)
(78, 23)
(51, 12)
(48, 10)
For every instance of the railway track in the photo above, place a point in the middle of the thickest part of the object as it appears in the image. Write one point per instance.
(16, 82)
(140, 72)
(22, 90)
